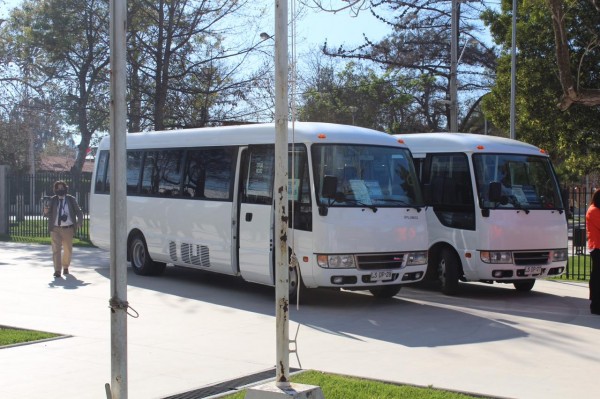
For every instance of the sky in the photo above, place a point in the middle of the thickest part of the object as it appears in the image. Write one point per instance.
(312, 29)
(339, 28)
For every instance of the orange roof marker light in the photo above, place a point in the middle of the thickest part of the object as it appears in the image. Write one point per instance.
(543, 151)
(480, 147)
(322, 136)
(401, 141)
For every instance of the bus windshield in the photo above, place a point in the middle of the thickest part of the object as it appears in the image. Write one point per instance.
(366, 175)
(526, 182)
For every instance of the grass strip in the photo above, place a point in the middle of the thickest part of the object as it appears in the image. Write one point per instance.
(12, 336)
(343, 387)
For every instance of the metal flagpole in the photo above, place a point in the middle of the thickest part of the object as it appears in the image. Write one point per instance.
(118, 207)
(453, 125)
(282, 387)
(513, 71)
(281, 195)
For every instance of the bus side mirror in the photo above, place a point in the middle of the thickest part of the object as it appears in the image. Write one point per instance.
(329, 187)
(495, 191)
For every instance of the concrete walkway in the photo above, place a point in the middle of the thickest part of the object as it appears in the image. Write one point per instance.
(196, 329)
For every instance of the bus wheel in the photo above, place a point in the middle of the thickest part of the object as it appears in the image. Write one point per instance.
(524, 286)
(448, 272)
(385, 291)
(141, 262)
(295, 280)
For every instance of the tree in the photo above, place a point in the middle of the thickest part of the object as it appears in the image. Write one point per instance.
(181, 71)
(569, 136)
(69, 39)
(357, 95)
(419, 47)
(573, 93)
(28, 131)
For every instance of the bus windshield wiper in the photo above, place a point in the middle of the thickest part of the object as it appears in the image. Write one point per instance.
(357, 202)
(397, 201)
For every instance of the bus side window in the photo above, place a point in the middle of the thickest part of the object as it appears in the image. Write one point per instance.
(193, 180)
(102, 183)
(218, 177)
(169, 172)
(299, 190)
(258, 184)
(134, 165)
(149, 183)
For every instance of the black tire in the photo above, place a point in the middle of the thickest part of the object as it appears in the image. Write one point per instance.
(524, 286)
(385, 291)
(295, 279)
(141, 262)
(448, 271)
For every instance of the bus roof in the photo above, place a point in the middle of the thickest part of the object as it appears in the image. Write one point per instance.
(422, 143)
(303, 132)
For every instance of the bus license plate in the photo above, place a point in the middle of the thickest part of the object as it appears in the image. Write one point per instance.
(532, 270)
(381, 276)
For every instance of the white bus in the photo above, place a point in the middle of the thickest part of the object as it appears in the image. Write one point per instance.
(495, 211)
(203, 198)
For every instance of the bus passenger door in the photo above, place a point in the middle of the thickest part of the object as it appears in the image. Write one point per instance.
(255, 238)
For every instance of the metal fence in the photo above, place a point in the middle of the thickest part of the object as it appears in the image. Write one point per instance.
(25, 193)
(579, 261)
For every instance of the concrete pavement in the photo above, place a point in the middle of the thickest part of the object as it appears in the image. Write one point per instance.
(196, 329)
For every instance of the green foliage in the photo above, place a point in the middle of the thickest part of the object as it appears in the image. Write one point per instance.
(357, 95)
(572, 136)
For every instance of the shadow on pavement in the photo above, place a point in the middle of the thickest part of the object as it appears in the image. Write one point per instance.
(420, 316)
(355, 315)
(504, 299)
(68, 282)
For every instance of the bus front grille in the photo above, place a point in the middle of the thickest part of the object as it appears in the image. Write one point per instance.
(379, 261)
(531, 258)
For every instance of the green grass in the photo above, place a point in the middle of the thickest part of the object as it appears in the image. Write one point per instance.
(342, 387)
(579, 267)
(44, 240)
(10, 336)
(36, 232)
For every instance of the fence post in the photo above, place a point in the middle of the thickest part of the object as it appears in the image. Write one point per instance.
(4, 203)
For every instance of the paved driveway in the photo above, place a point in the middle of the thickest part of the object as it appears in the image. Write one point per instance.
(196, 329)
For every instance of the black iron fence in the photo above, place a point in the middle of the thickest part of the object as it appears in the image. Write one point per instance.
(579, 261)
(25, 194)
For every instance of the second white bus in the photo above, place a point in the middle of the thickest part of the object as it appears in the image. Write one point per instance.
(203, 198)
(495, 211)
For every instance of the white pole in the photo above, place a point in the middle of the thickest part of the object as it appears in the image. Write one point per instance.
(453, 125)
(513, 71)
(118, 207)
(281, 197)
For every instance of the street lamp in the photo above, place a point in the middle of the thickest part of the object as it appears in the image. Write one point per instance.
(454, 60)
(352, 110)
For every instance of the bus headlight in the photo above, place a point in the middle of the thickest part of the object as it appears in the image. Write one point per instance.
(496, 256)
(416, 258)
(336, 261)
(560, 255)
